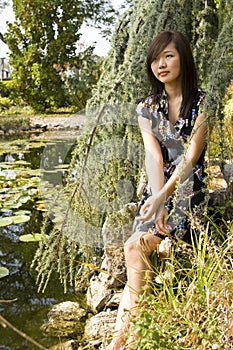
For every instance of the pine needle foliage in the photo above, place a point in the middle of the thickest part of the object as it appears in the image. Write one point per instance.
(102, 179)
(108, 156)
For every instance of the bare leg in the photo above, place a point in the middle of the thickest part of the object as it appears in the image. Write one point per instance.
(137, 255)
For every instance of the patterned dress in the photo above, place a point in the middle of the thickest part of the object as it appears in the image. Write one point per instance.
(172, 139)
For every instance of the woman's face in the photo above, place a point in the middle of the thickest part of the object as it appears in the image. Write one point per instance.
(166, 66)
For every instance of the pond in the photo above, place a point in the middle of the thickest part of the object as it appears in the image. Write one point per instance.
(21, 215)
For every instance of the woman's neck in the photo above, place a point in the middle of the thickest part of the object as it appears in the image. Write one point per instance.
(174, 91)
(175, 97)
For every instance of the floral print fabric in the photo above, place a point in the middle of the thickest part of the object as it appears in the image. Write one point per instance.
(173, 140)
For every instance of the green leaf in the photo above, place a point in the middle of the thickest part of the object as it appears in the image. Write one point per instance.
(14, 220)
(24, 199)
(36, 237)
(22, 212)
(5, 221)
(3, 272)
(19, 219)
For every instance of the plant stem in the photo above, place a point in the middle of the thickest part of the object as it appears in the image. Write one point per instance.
(5, 323)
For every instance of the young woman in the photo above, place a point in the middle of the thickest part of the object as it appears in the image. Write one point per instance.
(174, 130)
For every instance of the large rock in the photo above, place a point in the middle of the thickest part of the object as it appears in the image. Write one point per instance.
(101, 287)
(98, 294)
(114, 264)
(99, 328)
(65, 319)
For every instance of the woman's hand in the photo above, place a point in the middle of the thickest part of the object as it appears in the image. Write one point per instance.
(161, 220)
(150, 207)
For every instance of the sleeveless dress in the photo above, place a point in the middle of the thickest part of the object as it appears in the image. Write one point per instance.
(172, 138)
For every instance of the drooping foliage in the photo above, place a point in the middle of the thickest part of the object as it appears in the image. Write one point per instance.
(43, 43)
(205, 33)
(102, 168)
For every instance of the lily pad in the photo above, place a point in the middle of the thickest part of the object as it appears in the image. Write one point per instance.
(22, 162)
(62, 166)
(14, 220)
(6, 221)
(23, 212)
(36, 237)
(3, 272)
(19, 219)
(24, 199)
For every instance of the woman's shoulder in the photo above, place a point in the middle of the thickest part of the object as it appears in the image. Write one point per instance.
(146, 106)
(147, 101)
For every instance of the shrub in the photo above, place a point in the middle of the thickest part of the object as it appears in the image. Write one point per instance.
(5, 103)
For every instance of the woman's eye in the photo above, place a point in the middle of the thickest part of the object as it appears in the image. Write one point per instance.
(169, 56)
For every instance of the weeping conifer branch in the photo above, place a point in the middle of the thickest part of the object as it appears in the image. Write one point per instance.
(97, 169)
(103, 163)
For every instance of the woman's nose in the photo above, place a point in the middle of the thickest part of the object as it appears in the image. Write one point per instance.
(162, 62)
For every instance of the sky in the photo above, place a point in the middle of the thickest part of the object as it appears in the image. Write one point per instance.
(90, 35)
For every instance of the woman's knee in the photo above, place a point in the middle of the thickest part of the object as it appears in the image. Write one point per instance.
(144, 246)
(130, 249)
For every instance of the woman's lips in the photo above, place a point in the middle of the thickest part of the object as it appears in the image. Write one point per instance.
(163, 74)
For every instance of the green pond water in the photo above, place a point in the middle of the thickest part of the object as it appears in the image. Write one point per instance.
(21, 210)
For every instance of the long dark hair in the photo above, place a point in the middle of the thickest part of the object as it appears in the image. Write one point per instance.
(187, 65)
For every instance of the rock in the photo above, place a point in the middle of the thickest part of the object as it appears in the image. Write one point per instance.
(11, 132)
(220, 183)
(228, 172)
(35, 126)
(44, 127)
(114, 264)
(99, 292)
(74, 121)
(99, 328)
(65, 319)
(115, 300)
(216, 178)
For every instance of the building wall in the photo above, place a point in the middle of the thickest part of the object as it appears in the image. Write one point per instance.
(5, 70)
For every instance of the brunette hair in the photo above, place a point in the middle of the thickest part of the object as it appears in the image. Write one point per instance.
(187, 65)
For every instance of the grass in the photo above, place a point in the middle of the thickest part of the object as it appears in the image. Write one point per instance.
(194, 311)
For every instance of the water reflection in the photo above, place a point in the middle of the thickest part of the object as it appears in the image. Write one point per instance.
(30, 309)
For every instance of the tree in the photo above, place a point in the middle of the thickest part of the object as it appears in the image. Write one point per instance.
(123, 82)
(43, 37)
(205, 33)
(82, 76)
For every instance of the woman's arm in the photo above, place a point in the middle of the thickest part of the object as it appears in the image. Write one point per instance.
(154, 169)
(194, 150)
(153, 156)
